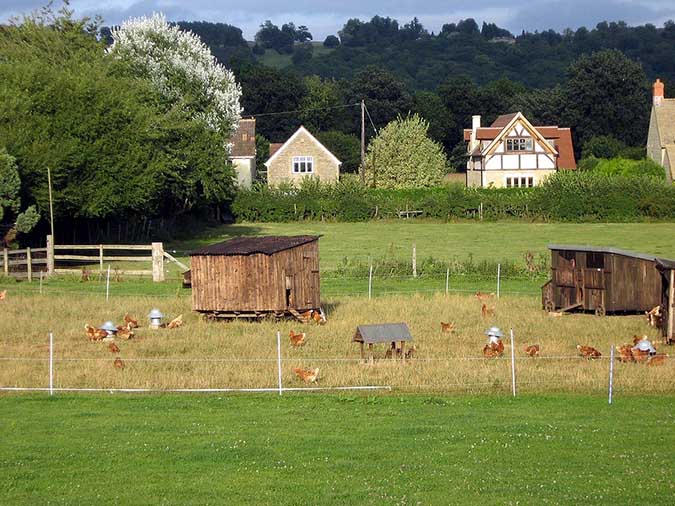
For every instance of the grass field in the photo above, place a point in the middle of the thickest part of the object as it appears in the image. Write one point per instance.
(336, 450)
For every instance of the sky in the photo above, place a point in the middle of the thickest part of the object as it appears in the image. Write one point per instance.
(325, 17)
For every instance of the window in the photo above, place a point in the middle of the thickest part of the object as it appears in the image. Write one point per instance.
(303, 164)
(520, 182)
(519, 144)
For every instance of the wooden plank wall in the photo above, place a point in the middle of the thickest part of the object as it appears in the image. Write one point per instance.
(257, 282)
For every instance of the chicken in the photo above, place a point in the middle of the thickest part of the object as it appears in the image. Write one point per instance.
(307, 315)
(448, 327)
(85, 274)
(297, 339)
(490, 351)
(113, 348)
(3, 295)
(131, 322)
(306, 375)
(637, 339)
(125, 332)
(625, 353)
(118, 363)
(412, 352)
(532, 350)
(95, 334)
(487, 310)
(588, 351)
(319, 317)
(658, 359)
(484, 296)
(640, 355)
(654, 316)
(175, 323)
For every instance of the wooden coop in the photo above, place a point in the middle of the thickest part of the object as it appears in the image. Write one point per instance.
(252, 277)
(389, 333)
(667, 322)
(601, 279)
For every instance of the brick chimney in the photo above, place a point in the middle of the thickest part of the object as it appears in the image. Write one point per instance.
(658, 92)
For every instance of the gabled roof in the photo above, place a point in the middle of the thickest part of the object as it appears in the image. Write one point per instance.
(382, 333)
(665, 119)
(289, 142)
(503, 120)
(274, 147)
(267, 245)
(505, 130)
(243, 140)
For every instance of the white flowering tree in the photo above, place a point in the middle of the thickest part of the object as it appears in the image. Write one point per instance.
(182, 68)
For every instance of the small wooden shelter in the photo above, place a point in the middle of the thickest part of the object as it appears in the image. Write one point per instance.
(257, 276)
(382, 333)
(667, 270)
(601, 279)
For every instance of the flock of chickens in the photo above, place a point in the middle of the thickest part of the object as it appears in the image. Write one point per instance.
(124, 332)
(299, 339)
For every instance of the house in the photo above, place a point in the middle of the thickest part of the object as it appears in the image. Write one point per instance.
(257, 276)
(513, 153)
(661, 137)
(243, 152)
(302, 155)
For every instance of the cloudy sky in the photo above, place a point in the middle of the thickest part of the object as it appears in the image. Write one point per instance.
(324, 17)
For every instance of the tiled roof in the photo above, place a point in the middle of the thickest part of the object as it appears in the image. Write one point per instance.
(503, 120)
(274, 147)
(243, 140)
(665, 118)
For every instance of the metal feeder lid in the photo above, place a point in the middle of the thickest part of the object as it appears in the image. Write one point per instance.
(108, 326)
(645, 345)
(155, 313)
(494, 331)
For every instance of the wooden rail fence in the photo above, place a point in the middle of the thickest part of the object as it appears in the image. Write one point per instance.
(47, 259)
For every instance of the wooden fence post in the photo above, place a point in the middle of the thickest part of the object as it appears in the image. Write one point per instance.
(157, 261)
(29, 265)
(50, 255)
(414, 260)
(100, 258)
(5, 261)
(670, 325)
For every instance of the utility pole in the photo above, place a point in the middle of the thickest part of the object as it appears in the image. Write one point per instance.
(51, 204)
(363, 142)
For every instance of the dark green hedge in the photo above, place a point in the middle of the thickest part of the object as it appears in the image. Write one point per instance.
(566, 196)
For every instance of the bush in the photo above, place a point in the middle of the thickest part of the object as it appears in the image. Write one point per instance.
(630, 168)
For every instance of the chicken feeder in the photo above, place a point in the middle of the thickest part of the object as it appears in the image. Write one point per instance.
(155, 318)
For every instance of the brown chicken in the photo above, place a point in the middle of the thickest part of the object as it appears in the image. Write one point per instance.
(658, 359)
(125, 332)
(654, 316)
(487, 310)
(491, 350)
(637, 339)
(483, 296)
(118, 363)
(95, 334)
(297, 339)
(318, 317)
(532, 350)
(412, 352)
(175, 323)
(306, 375)
(113, 348)
(130, 321)
(3, 295)
(625, 353)
(640, 355)
(448, 327)
(588, 351)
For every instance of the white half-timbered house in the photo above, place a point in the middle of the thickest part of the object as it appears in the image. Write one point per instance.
(512, 153)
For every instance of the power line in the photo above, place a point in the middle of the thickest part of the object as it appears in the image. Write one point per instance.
(301, 110)
(370, 119)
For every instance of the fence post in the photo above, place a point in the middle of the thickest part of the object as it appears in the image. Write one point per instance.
(499, 275)
(513, 364)
(447, 281)
(100, 258)
(414, 260)
(50, 255)
(370, 281)
(157, 261)
(41, 273)
(279, 360)
(5, 261)
(51, 363)
(611, 373)
(107, 285)
(29, 265)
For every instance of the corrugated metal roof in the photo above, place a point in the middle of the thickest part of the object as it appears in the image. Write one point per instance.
(267, 245)
(382, 333)
(603, 249)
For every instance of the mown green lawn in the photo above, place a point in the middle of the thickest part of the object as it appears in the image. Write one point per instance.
(330, 449)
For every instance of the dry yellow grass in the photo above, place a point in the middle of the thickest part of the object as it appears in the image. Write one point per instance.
(242, 354)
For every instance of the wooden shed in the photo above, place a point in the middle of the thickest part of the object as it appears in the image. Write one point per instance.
(257, 276)
(667, 270)
(601, 279)
(388, 333)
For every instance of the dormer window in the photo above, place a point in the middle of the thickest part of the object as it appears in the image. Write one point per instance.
(519, 144)
(303, 164)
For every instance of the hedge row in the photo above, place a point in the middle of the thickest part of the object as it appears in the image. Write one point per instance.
(566, 196)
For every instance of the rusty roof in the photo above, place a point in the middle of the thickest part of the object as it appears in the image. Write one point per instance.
(266, 245)
(243, 140)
